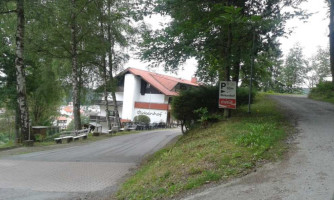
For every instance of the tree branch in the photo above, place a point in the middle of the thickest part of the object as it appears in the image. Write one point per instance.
(8, 12)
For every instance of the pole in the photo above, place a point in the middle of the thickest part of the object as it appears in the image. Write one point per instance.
(251, 75)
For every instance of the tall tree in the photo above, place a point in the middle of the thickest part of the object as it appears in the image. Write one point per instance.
(295, 69)
(319, 67)
(70, 35)
(217, 33)
(75, 70)
(117, 34)
(331, 36)
(20, 68)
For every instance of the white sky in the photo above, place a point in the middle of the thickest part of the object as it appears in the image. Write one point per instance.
(309, 35)
(312, 34)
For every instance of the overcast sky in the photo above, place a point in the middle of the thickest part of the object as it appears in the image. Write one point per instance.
(309, 35)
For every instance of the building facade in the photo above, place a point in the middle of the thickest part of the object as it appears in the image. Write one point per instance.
(146, 93)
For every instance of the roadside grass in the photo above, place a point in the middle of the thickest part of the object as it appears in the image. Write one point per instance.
(50, 141)
(8, 145)
(323, 92)
(225, 150)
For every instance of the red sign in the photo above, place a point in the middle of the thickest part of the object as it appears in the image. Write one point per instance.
(228, 103)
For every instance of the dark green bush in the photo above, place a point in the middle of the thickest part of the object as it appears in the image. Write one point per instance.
(184, 105)
(323, 91)
(142, 119)
(243, 96)
(4, 138)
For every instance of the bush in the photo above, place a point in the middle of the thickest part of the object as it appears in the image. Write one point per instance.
(4, 138)
(323, 91)
(142, 119)
(184, 105)
(243, 96)
(84, 120)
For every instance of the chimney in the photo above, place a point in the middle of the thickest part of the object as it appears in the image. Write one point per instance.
(194, 80)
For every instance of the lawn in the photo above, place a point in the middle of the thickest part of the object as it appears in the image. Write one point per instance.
(225, 150)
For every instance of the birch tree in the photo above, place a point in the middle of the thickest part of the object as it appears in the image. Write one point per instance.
(20, 65)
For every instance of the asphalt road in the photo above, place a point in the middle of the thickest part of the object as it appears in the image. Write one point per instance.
(90, 171)
(307, 173)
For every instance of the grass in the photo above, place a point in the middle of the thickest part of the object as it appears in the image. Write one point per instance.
(225, 150)
(8, 145)
(50, 140)
(323, 92)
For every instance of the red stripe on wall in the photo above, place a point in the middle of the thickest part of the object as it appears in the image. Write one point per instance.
(154, 106)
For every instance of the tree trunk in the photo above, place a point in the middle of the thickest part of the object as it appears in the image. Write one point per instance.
(110, 59)
(75, 76)
(331, 38)
(228, 52)
(17, 125)
(20, 73)
(104, 72)
(106, 96)
(236, 67)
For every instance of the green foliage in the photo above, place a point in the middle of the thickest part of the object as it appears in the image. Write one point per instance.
(142, 119)
(295, 69)
(45, 93)
(183, 106)
(7, 78)
(319, 67)
(201, 103)
(260, 137)
(219, 35)
(205, 117)
(4, 138)
(84, 120)
(243, 96)
(324, 92)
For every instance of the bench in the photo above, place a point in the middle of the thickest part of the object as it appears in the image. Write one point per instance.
(133, 128)
(73, 136)
(83, 136)
(125, 128)
(114, 129)
(68, 138)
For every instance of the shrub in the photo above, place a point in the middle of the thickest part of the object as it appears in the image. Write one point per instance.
(243, 96)
(184, 105)
(4, 138)
(205, 117)
(323, 91)
(142, 119)
(84, 120)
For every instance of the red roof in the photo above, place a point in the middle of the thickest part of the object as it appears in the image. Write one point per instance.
(68, 109)
(125, 120)
(165, 84)
(62, 118)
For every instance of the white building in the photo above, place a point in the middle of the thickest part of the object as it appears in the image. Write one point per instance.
(145, 93)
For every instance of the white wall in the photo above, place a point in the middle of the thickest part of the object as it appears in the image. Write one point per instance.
(119, 96)
(131, 94)
(152, 98)
(156, 116)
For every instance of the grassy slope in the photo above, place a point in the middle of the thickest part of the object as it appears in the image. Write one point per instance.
(323, 92)
(227, 149)
(327, 97)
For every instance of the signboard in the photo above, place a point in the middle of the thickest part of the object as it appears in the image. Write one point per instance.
(228, 94)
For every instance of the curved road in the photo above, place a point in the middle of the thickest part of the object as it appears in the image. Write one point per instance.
(308, 173)
(89, 171)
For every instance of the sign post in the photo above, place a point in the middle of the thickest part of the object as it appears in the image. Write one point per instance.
(228, 94)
